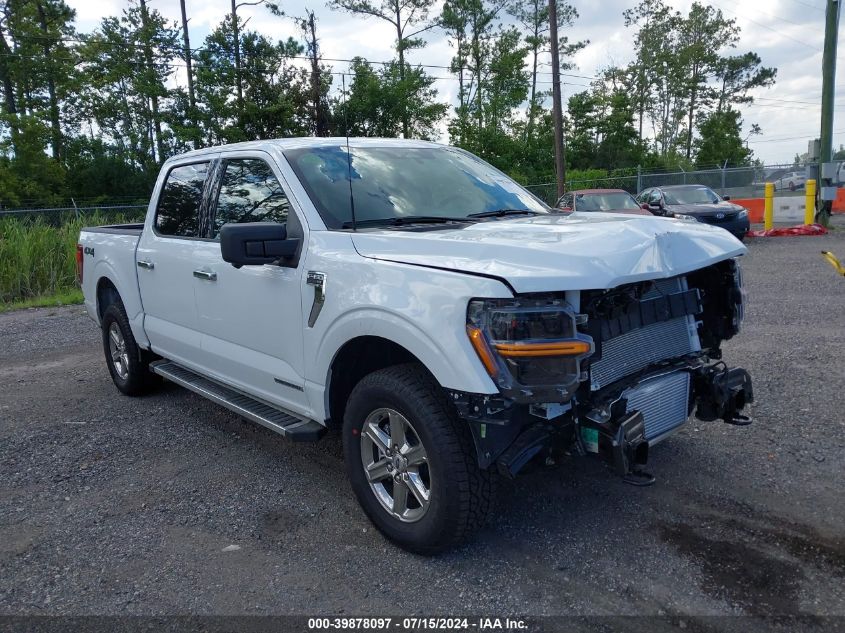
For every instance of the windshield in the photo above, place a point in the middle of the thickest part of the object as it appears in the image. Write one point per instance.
(396, 182)
(604, 201)
(696, 195)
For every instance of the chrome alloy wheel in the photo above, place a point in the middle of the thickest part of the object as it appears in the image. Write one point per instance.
(396, 464)
(117, 349)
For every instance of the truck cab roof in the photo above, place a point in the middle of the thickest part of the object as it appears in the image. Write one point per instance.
(282, 144)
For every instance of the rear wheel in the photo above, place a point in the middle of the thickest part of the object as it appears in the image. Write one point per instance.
(127, 363)
(411, 461)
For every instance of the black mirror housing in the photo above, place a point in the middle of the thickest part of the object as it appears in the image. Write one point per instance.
(257, 243)
(726, 197)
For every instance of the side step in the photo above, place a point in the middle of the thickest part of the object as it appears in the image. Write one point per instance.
(292, 426)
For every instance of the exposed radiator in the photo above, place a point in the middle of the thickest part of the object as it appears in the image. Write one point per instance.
(663, 401)
(637, 349)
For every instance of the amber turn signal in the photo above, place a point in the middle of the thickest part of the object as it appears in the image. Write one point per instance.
(560, 348)
(476, 337)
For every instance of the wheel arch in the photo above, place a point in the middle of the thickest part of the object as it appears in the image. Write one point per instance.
(355, 359)
(387, 339)
(106, 294)
(111, 286)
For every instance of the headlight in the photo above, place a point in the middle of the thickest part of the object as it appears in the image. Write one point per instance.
(742, 214)
(685, 218)
(529, 345)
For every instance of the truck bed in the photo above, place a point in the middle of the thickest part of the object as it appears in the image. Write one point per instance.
(109, 254)
(119, 229)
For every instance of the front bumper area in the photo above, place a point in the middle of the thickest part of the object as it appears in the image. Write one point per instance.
(618, 423)
(737, 226)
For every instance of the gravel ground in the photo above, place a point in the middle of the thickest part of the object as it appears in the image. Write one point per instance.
(169, 504)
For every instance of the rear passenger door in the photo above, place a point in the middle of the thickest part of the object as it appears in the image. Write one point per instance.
(165, 260)
(251, 317)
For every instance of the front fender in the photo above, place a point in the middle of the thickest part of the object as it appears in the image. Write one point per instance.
(451, 359)
(420, 309)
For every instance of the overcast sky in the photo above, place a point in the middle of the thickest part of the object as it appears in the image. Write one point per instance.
(787, 34)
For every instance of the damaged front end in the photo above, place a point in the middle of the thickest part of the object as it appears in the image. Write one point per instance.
(608, 373)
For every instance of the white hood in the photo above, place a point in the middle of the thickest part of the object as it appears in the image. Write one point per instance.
(580, 251)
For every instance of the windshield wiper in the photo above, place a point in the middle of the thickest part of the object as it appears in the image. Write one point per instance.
(498, 213)
(405, 219)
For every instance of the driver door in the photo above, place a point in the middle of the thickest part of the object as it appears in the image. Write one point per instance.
(251, 317)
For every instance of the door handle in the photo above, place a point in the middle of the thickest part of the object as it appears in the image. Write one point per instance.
(208, 275)
(146, 264)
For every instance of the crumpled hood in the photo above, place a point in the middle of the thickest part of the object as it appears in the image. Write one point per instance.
(554, 252)
(705, 209)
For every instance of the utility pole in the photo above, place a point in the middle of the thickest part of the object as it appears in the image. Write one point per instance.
(318, 116)
(831, 31)
(236, 43)
(557, 110)
(192, 101)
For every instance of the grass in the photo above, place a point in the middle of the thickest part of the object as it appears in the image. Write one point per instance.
(38, 260)
(61, 298)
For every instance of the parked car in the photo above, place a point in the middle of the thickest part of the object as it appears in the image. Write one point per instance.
(791, 180)
(425, 304)
(699, 202)
(608, 200)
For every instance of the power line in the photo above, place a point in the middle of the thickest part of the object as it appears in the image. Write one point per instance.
(773, 30)
(180, 50)
(200, 66)
(807, 4)
(808, 135)
(772, 15)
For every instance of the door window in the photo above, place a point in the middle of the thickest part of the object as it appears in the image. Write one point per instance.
(565, 202)
(250, 192)
(179, 203)
(654, 198)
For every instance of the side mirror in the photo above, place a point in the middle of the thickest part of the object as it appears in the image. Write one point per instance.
(256, 243)
(654, 208)
(726, 197)
(645, 206)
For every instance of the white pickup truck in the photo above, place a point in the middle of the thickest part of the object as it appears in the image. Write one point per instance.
(450, 324)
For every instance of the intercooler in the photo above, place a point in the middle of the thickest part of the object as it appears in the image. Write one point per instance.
(663, 402)
(635, 350)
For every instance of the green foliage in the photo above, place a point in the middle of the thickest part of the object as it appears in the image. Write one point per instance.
(409, 19)
(681, 75)
(60, 298)
(533, 17)
(93, 115)
(38, 257)
(720, 140)
(380, 102)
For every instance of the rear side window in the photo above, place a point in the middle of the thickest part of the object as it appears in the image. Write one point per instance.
(250, 192)
(179, 204)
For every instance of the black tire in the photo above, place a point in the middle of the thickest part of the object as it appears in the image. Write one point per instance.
(138, 379)
(461, 494)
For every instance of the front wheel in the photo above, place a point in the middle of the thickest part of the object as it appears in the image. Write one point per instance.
(411, 461)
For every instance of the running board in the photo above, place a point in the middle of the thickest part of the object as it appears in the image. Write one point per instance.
(293, 427)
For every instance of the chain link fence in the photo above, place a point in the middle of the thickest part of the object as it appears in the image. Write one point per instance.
(736, 182)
